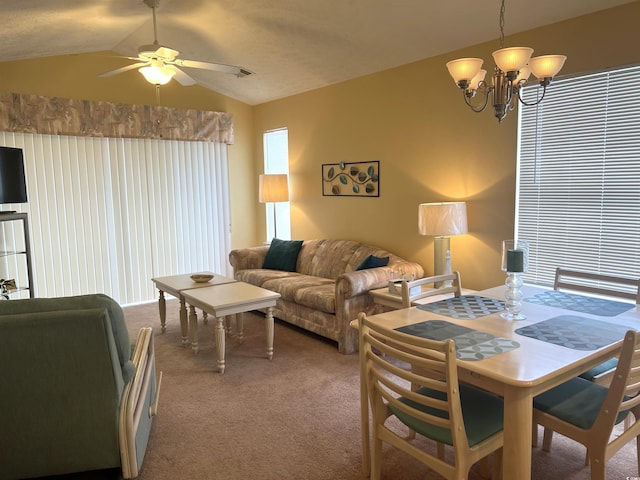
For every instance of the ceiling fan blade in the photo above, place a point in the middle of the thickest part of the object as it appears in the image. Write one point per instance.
(181, 77)
(216, 67)
(123, 69)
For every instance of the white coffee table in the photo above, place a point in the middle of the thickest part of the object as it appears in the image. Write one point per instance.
(174, 285)
(230, 299)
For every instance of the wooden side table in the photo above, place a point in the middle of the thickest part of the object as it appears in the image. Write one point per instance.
(174, 285)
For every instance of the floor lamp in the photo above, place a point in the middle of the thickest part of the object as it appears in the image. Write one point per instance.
(441, 220)
(273, 188)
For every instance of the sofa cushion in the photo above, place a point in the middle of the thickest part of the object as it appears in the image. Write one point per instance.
(283, 255)
(288, 286)
(259, 276)
(372, 262)
(321, 298)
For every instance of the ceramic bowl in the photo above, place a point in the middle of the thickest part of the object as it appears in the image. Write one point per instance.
(201, 277)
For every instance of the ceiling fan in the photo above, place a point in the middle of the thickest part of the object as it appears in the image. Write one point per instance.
(159, 63)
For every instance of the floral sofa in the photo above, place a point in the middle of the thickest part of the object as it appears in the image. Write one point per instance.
(323, 284)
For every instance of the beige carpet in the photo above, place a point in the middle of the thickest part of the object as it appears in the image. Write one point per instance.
(295, 417)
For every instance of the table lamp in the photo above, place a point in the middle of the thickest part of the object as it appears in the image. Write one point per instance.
(441, 220)
(273, 188)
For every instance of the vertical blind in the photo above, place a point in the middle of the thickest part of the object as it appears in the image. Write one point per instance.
(107, 215)
(578, 200)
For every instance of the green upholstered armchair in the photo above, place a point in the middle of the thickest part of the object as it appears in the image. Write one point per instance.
(75, 395)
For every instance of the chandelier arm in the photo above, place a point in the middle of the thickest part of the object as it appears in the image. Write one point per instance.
(480, 107)
(544, 90)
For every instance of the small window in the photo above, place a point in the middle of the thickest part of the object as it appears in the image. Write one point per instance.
(276, 160)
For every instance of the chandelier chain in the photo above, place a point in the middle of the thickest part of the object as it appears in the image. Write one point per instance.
(502, 25)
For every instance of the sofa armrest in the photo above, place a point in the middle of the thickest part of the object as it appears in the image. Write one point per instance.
(357, 282)
(248, 258)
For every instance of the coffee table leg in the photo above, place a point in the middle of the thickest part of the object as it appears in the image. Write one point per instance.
(162, 307)
(184, 329)
(205, 317)
(269, 322)
(240, 326)
(193, 328)
(220, 342)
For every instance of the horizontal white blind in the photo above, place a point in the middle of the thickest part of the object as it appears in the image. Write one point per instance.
(107, 215)
(578, 200)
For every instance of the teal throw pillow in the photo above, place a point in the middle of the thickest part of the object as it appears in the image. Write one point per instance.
(283, 255)
(372, 262)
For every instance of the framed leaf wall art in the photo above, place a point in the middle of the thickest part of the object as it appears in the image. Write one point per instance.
(355, 179)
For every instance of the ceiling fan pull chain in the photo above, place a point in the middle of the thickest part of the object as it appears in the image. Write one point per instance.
(158, 94)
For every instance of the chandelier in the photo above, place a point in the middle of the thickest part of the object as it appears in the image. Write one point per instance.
(512, 70)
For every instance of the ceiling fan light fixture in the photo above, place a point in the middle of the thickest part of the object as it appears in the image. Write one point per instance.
(157, 75)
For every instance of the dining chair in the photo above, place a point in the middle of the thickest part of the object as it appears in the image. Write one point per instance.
(441, 284)
(587, 412)
(608, 286)
(415, 380)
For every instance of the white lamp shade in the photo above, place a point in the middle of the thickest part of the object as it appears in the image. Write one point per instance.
(442, 219)
(273, 188)
(512, 59)
(475, 81)
(464, 68)
(157, 75)
(546, 66)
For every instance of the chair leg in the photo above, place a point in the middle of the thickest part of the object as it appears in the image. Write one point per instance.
(497, 464)
(638, 452)
(440, 450)
(546, 439)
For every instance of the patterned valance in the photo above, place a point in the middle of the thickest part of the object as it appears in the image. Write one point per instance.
(66, 116)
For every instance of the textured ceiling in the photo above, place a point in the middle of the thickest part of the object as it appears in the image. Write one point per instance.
(292, 46)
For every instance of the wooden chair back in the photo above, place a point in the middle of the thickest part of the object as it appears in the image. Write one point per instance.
(440, 284)
(567, 279)
(396, 366)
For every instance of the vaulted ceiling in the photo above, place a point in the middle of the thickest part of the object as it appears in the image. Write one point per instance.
(291, 46)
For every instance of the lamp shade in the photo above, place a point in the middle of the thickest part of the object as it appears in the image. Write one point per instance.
(512, 59)
(157, 75)
(546, 66)
(442, 219)
(273, 188)
(464, 69)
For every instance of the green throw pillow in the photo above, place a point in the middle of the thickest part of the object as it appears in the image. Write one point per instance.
(283, 255)
(372, 262)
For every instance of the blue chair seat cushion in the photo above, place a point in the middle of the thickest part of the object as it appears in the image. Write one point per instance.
(592, 373)
(577, 402)
(483, 415)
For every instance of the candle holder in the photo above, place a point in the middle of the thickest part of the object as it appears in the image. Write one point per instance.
(515, 261)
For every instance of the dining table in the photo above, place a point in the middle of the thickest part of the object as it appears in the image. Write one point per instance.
(562, 336)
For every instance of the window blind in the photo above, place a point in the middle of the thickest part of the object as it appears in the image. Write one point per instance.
(578, 186)
(107, 215)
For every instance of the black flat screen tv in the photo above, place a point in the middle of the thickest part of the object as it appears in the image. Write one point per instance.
(13, 186)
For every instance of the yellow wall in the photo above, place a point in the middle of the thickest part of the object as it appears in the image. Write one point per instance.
(76, 76)
(431, 147)
(412, 119)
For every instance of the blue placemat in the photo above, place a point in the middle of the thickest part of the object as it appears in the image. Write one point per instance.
(580, 303)
(471, 345)
(465, 307)
(578, 333)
